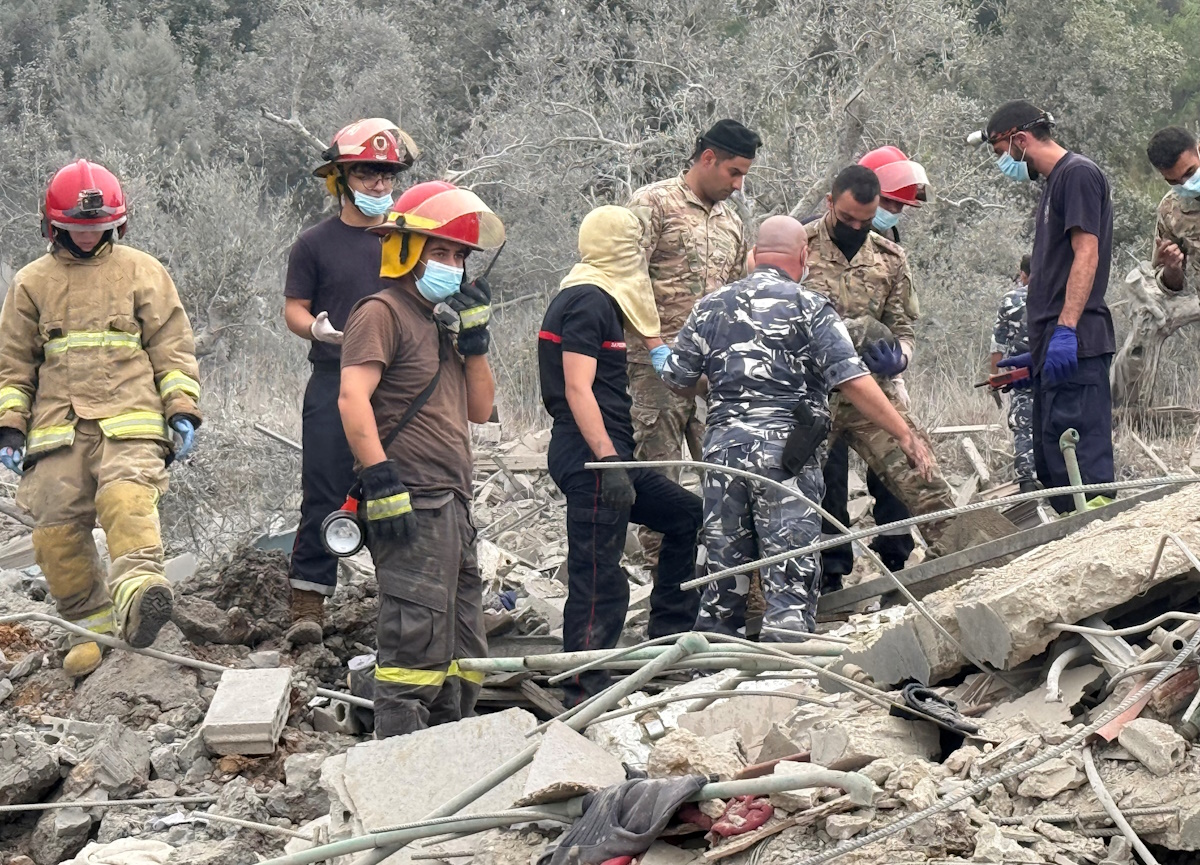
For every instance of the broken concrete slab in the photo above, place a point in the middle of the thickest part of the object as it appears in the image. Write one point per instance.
(992, 846)
(137, 689)
(1034, 705)
(1051, 778)
(374, 784)
(1002, 615)
(752, 717)
(682, 752)
(795, 800)
(28, 768)
(118, 762)
(568, 765)
(852, 743)
(1153, 744)
(248, 711)
(840, 827)
(777, 743)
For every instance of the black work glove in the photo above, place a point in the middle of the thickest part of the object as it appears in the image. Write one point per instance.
(473, 303)
(386, 505)
(616, 489)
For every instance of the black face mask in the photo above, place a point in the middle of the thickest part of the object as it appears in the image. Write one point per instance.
(849, 240)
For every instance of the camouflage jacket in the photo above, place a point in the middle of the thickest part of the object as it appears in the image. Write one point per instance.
(877, 282)
(694, 251)
(1011, 334)
(765, 343)
(1179, 222)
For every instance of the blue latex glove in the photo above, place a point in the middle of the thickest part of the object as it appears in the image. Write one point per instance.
(659, 357)
(11, 458)
(187, 432)
(884, 358)
(1017, 361)
(1062, 355)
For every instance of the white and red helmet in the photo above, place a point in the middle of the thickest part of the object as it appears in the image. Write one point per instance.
(374, 140)
(900, 179)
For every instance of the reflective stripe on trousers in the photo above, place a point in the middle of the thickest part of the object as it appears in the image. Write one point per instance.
(425, 678)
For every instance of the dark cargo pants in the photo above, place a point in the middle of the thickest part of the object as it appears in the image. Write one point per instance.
(430, 615)
(326, 475)
(1083, 402)
(597, 587)
(894, 549)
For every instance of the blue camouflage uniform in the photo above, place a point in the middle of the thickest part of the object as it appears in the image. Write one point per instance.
(1011, 337)
(765, 343)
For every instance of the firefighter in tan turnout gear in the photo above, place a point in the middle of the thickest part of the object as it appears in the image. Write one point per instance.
(97, 368)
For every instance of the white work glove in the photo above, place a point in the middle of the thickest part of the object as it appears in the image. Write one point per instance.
(323, 331)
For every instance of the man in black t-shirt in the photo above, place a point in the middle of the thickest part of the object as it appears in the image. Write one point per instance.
(1070, 329)
(581, 364)
(332, 266)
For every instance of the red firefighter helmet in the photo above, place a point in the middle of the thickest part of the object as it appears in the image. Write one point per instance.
(434, 209)
(900, 179)
(374, 140)
(86, 197)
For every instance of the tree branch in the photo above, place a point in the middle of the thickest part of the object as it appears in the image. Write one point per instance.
(295, 125)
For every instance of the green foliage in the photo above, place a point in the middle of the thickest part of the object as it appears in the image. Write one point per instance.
(548, 109)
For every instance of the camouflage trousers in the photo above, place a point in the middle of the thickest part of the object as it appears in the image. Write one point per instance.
(883, 454)
(1020, 423)
(662, 421)
(745, 520)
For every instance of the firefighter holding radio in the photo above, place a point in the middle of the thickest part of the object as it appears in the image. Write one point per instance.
(414, 372)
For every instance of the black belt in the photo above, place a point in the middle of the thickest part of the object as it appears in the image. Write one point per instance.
(327, 366)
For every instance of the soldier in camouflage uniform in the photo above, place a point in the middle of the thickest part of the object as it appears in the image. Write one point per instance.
(697, 244)
(863, 274)
(1010, 337)
(771, 350)
(1173, 151)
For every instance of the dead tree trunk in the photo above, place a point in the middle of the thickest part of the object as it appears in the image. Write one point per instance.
(1156, 316)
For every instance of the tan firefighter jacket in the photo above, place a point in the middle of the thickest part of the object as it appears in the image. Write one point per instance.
(102, 339)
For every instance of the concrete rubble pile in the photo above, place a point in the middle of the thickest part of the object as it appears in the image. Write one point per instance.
(257, 745)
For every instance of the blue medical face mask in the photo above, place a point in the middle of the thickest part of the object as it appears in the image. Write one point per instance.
(1190, 188)
(884, 220)
(372, 205)
(1012, 169)
(439, 282)
(1015, 169)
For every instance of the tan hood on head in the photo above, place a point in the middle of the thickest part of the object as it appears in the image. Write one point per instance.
(612, 257)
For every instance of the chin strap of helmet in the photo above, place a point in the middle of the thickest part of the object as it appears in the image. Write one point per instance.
(63, 238)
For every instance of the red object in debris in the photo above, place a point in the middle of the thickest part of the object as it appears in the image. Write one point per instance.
(618, 860)
(742, 814)
(691, 813)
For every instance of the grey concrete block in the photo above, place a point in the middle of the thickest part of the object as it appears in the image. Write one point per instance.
(338, 717)
(248, 711)
(1153, 744)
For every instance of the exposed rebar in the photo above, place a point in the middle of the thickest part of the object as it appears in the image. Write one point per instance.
(1107, 803)
(981, 786)
(791, 492)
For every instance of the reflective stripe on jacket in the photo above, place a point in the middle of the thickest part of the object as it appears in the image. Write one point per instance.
(103, 339)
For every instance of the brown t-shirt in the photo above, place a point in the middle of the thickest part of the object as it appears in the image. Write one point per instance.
(434, 449)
